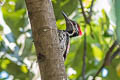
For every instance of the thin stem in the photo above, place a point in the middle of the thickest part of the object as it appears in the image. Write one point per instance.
(90, 13)
(84, 55)
(89, 17)
(83, 12)
(115, 54)
(107, 59)
(87, 20)
(108, 54)
(98, 71)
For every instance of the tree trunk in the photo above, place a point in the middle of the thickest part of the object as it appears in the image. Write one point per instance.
(46, 39)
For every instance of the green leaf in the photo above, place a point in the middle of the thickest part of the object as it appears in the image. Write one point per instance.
(1, 28)
(14, 14)
(115, 16)
(15, 20)
(18, 71)
(98, 54)
(28, 48)
(19, 4)
(68, 6)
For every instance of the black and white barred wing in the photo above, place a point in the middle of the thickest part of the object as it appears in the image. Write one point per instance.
(64, 42)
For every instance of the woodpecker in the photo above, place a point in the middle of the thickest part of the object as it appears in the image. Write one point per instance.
(72, 30)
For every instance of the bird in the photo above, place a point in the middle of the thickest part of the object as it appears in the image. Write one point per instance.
(72, 30)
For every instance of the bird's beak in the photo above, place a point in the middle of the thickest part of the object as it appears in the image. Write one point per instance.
(65, 16)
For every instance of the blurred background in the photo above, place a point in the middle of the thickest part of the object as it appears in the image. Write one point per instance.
(17, 52)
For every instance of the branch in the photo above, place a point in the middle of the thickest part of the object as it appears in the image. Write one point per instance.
(90, 13)
(115, 54)
(112, 57)
(83, 12)
(85, 43)
(98, 71)
(87, 20)
(107, 59)
(84, 54)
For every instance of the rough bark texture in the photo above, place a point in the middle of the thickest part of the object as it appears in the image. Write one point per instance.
(46, 41)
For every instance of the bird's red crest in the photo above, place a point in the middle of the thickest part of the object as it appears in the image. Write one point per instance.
(80, 31)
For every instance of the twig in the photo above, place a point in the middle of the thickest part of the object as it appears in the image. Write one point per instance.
(98, 71)
(89, 17)
(84, 54)
(112, 57)
(115, 54)
(85, 43)
(87, 21)
(90, 13)
(83, 12)
(107, 59)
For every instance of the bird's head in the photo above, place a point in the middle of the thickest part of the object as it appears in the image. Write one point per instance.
(72, 27)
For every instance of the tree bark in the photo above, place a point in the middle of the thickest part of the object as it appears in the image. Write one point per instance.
(46, 39)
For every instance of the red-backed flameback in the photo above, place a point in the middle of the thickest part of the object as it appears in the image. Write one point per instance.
(72, 30)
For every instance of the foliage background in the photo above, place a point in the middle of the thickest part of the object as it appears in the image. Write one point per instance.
(17, 52)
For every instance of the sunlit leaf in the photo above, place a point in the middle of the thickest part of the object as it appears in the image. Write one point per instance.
(118, 70)
(97, 53)
(4, 64)
(1, 38)
(24, 69)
